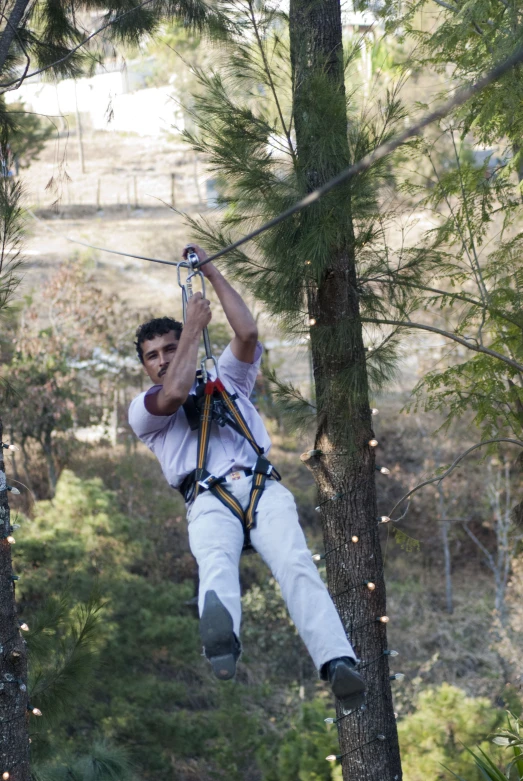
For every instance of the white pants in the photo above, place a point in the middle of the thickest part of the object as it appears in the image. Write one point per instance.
(216, 540)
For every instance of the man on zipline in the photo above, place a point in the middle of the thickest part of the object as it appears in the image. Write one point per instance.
(232, 497)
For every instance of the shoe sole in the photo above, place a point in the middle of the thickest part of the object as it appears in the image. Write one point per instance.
(217, 635)
(349, 688)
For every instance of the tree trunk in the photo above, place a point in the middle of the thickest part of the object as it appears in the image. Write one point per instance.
(47, 447)
(445, 528)
(10, 31)
(14, 741)
(368, 738)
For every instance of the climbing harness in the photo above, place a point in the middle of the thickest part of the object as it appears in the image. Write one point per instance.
(212, 403)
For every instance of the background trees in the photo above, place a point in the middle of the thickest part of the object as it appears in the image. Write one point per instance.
(148, 692)
(69, 358)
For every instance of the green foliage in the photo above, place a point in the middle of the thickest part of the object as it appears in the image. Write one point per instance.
(466, 271)
(289, 401)
(102, 763)
(435, 735)
(59, 680)
(27, 135)
(50, 33)
(475, 283)
(11, 231)
(123, 665)
(300, 754)
(511, 738)
(244, 115)
(473, 38)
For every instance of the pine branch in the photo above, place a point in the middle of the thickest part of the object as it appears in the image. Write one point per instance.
(57, 689)
(290, 402)
(460, 98)
(268, 73)
(71, 52)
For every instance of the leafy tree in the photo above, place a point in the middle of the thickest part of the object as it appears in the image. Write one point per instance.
(28, 135)
(436, 734)
(468, 40)
(69, 353)
(467, 275)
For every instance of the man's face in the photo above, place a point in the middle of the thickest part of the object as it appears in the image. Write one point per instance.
(157, 354)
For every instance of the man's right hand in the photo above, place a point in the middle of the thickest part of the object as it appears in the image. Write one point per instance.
(198, 313)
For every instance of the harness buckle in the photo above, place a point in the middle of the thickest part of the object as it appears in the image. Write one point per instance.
(208, 482)
(263, 467)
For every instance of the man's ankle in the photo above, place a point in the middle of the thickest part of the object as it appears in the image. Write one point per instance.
(324, 670)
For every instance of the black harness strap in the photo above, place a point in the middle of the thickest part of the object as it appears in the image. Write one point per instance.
(217, 401)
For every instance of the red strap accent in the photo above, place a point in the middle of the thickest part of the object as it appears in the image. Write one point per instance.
(218, 384)
(209, 387)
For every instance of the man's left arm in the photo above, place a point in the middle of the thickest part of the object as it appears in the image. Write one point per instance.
(237, 313)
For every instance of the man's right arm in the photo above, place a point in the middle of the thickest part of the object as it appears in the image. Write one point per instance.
(179, 377)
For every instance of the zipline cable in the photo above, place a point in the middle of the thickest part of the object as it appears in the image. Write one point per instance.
(461, 96)
(93, 246)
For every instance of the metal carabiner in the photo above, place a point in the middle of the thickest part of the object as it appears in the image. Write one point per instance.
(187, 293)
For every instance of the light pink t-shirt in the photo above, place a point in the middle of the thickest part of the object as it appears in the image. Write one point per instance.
(175, 445)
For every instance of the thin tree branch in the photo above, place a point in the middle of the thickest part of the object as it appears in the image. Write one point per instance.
(451, 468)
(446, 293)
(477, 348)
(488, 555)
(447, 6)
(482, 287)
(271, 82)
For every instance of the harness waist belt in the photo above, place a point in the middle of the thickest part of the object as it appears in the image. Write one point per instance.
(237, 474)
(213, 400)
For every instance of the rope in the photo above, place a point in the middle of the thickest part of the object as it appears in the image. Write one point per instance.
(93, 246)
(460, 97)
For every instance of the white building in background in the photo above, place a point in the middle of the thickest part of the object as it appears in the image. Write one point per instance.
(115, 98)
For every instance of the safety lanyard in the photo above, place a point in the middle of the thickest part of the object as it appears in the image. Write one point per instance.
(187, 294)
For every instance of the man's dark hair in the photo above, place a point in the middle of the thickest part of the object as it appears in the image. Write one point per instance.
(157, 327)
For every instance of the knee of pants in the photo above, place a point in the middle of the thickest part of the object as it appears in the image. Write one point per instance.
(297, 564)
(219, 561)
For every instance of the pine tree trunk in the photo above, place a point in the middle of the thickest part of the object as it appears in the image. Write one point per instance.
(342, 394)
(14, 741)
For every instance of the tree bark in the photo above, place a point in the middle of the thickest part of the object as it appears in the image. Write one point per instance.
(14, 740)
(11, 28)
(368, 738)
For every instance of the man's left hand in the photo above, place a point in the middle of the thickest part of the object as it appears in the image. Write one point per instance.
(209, 269)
